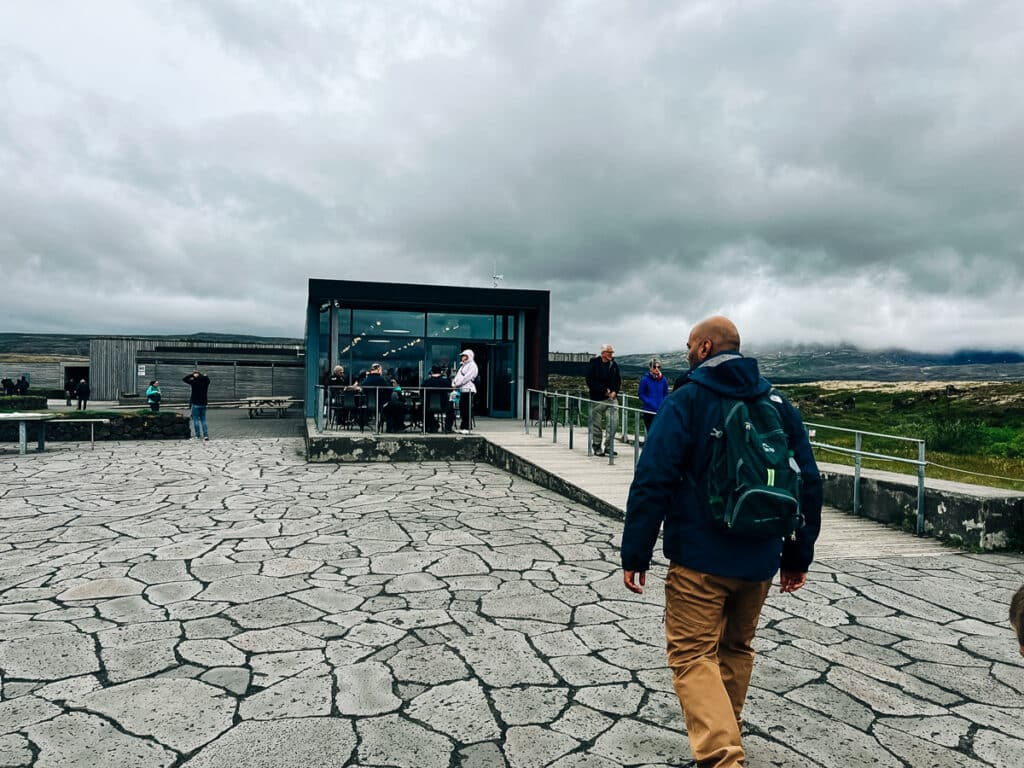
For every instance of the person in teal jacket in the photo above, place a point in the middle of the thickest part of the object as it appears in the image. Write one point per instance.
(153, 395)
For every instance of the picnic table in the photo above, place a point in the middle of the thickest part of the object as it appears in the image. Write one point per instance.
(257, 405)
(23, 419)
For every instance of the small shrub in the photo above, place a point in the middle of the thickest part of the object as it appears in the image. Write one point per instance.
(22, 403)
(1010, 448)
(958, 436)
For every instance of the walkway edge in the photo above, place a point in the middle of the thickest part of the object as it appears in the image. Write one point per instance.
(513, 463)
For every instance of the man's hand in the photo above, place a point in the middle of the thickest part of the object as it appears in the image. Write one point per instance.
(791, 581)
(635, 581)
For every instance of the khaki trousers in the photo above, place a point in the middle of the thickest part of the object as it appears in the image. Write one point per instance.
(605, 415)
(709, 627)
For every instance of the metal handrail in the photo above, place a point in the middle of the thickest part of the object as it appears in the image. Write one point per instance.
(325, 402)
(859, 454)
(857, 451)
(573, 407)
(863, 432)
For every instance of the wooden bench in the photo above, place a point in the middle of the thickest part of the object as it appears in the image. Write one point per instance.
(257, 405)
(23, 419)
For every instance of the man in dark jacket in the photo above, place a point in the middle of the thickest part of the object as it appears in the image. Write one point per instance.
(377, 390)
(603, 384)
(438, 402)
(717, 582)
(82, 393)
(200, 386)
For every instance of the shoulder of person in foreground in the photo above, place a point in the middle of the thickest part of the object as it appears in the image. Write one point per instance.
(658, 475)
(798, 552)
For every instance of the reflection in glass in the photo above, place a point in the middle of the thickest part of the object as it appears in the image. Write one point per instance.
(344, 319)
(324, 342)
(379, 322)
(460, 326)
(400, 358)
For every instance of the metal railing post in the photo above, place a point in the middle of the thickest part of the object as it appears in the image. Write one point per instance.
(920, 488)
(526, 411)
(554, 420)
(570, 406)
(857, 444)
(540, 414)
(636, 439)
(590, 428)
(319, 409)
(613, 414)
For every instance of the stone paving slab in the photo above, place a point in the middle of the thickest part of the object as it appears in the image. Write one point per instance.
(226, 603)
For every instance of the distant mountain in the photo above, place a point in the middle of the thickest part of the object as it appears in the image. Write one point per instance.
(787, 365)
(78, 344)
(819, 363)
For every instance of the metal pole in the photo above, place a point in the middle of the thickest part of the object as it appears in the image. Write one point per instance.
(636, 440)
(570, 406)
(526, 411)
(590, 428)
(554, 420)
(920, 488)
(857, 442)
(613, 414)
(540, 414)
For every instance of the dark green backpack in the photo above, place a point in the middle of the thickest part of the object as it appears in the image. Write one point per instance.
(753, 481)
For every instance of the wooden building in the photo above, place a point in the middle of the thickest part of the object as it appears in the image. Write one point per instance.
(122, 365)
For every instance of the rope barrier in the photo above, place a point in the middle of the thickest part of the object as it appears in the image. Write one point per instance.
(846, 452)
(976, 474)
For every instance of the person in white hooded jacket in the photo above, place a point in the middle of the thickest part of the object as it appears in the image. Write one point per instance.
(463, 382)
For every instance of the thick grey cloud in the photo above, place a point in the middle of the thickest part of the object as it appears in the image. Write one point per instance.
(819, 172)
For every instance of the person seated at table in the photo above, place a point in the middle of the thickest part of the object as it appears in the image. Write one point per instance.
(336, 384)
(437, 380)
(395, 408)
(376, 388)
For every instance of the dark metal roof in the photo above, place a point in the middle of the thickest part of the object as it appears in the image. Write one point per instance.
(434, 298)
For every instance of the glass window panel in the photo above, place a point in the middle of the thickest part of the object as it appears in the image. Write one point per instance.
(324, 343)
(460, 326)
(444, 354)
(366, 322)
(400, 358)
(344, 320)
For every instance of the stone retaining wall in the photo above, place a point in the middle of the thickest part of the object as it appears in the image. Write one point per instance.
(354, 447)
(127, 426)
(985, 518)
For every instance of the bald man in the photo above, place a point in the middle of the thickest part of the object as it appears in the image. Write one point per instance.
(717, 582)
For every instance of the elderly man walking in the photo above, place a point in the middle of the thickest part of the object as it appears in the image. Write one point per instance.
(603, 384)
(718, 579)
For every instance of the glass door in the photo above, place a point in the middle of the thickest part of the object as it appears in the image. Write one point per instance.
(502, 380)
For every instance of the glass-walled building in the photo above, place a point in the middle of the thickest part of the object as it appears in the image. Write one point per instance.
(409, 328)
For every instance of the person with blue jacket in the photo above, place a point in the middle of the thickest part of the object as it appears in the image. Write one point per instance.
(717, 582)
(653, 390)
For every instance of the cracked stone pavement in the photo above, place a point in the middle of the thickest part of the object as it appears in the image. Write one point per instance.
(227, 604)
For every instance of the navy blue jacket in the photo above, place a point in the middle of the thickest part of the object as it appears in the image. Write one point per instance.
(678, 449)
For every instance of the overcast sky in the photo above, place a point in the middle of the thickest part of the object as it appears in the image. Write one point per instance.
(818, 171)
